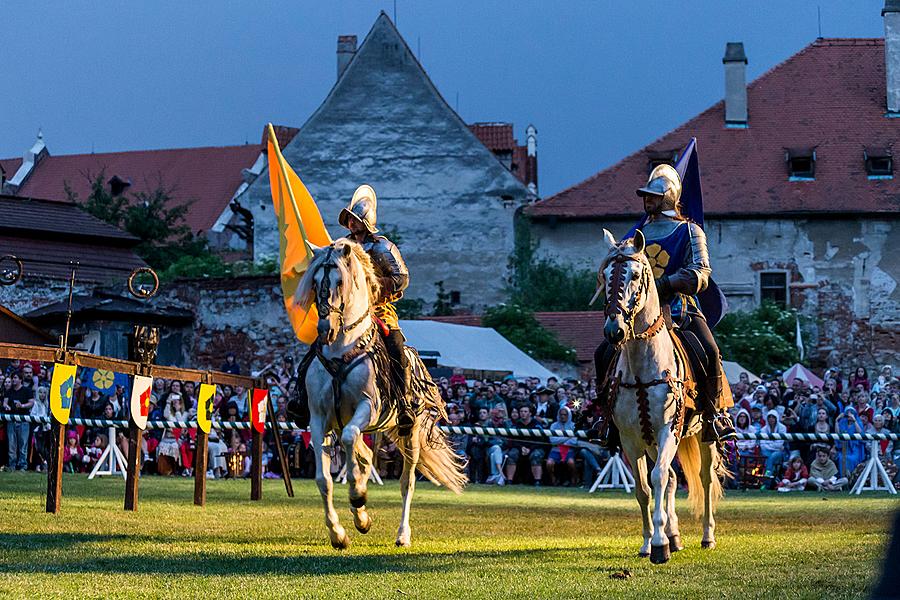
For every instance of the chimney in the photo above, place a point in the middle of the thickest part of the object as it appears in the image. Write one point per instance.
(345, 51)
(735, 62)
(891, 14)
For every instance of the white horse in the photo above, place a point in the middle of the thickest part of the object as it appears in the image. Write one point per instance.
(344, 396)
(648, 389)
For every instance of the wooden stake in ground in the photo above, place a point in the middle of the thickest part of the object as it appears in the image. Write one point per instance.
(282, 457)
(201, 464)
(133, 465)
(55, 466)
(256, 466)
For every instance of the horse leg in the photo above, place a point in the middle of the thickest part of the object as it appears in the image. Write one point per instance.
(659, 543)
(706, 477)
(672, 531)
(336, 533)
(410, 450)
(359, 464)
(641, 490)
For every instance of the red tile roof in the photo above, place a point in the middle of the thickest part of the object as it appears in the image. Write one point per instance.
(498, 137)
(830, 95)
(209, 176)
(10, 166)
(581, 330)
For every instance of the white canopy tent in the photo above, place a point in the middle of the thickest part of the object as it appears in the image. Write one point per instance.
(471, 348)
(733, 372)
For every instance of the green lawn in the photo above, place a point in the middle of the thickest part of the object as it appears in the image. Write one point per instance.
(488, 543)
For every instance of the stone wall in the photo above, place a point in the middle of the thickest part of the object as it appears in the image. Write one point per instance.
(244, 315)
(842, 274)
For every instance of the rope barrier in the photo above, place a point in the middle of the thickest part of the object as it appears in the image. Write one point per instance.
(456, 429)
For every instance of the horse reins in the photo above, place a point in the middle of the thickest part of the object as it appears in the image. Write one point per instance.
(615, 298)
(323, 297)
(616, 305)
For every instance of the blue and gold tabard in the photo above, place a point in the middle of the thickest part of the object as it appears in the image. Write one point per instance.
(667, 255)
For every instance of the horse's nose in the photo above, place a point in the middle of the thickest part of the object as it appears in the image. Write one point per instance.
(613, 331)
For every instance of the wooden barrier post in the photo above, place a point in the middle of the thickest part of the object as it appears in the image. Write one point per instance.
(133, 465)
(55, 466)
(256, 465)
(201, 465)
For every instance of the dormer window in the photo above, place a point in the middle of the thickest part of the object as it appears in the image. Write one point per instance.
(661, 157)
(801, 163)
(879, 163)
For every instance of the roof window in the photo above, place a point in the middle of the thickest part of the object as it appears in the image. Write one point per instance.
(801, 163)
(661, 157)
(879, 163)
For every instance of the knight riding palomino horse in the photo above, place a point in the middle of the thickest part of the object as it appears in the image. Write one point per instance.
(345, 390)
(650, 395)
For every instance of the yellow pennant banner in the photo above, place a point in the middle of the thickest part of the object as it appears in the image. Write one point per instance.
(62, 390)
(205, 406)
(299, 221)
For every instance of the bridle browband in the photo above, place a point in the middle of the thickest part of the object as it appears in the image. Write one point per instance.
(323, 296)
(615, 297)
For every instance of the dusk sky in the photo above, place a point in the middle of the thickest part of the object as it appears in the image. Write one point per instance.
(598, 79)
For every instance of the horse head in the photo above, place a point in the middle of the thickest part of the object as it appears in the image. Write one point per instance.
(340, 280)
(627, 279)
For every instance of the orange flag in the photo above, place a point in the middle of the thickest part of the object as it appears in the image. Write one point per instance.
(299, 221)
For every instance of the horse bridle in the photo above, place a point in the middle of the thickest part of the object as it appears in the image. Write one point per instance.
(323, 296)
(615, 297)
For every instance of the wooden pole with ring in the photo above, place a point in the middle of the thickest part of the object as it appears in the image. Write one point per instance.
(143, 350)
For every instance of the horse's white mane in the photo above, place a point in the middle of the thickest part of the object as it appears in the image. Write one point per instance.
(355, 266)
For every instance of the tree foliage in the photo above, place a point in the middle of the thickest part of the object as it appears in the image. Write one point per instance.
(152, 217)
(762, 340)
(518, 325)
(442, 306)
(541, 284)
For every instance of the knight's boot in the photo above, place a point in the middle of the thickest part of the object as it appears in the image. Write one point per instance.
(406, 417)
(717, 424)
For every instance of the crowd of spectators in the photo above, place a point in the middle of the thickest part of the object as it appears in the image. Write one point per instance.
(854, 403)
(858, 402)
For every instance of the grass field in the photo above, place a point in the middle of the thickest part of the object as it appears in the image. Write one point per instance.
(488, 543)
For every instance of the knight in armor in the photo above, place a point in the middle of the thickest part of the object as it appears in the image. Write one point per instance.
(677, 251)
(359, 217)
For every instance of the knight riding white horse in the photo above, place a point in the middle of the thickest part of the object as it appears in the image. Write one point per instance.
(649, 397)
(349, 379)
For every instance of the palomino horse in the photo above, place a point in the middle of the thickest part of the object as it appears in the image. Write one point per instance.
(648, 391)
(344, 397)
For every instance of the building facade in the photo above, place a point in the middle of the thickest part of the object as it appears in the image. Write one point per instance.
(439, 187)
(800, 192)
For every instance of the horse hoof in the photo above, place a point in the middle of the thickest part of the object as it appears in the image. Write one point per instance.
(643, 554)
(708, 545)
(675, 544)
(660, 554)
(342, 543)
(403, 543)
(363, 527)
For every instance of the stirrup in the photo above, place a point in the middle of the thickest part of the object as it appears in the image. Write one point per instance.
(718, 428)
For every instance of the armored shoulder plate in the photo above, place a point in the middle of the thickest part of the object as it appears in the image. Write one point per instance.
(387, 261)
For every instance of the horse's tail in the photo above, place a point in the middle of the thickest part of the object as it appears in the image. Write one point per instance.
(437, 459)
(689, 455)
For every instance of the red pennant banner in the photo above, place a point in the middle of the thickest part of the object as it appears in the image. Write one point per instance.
(258, 402)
